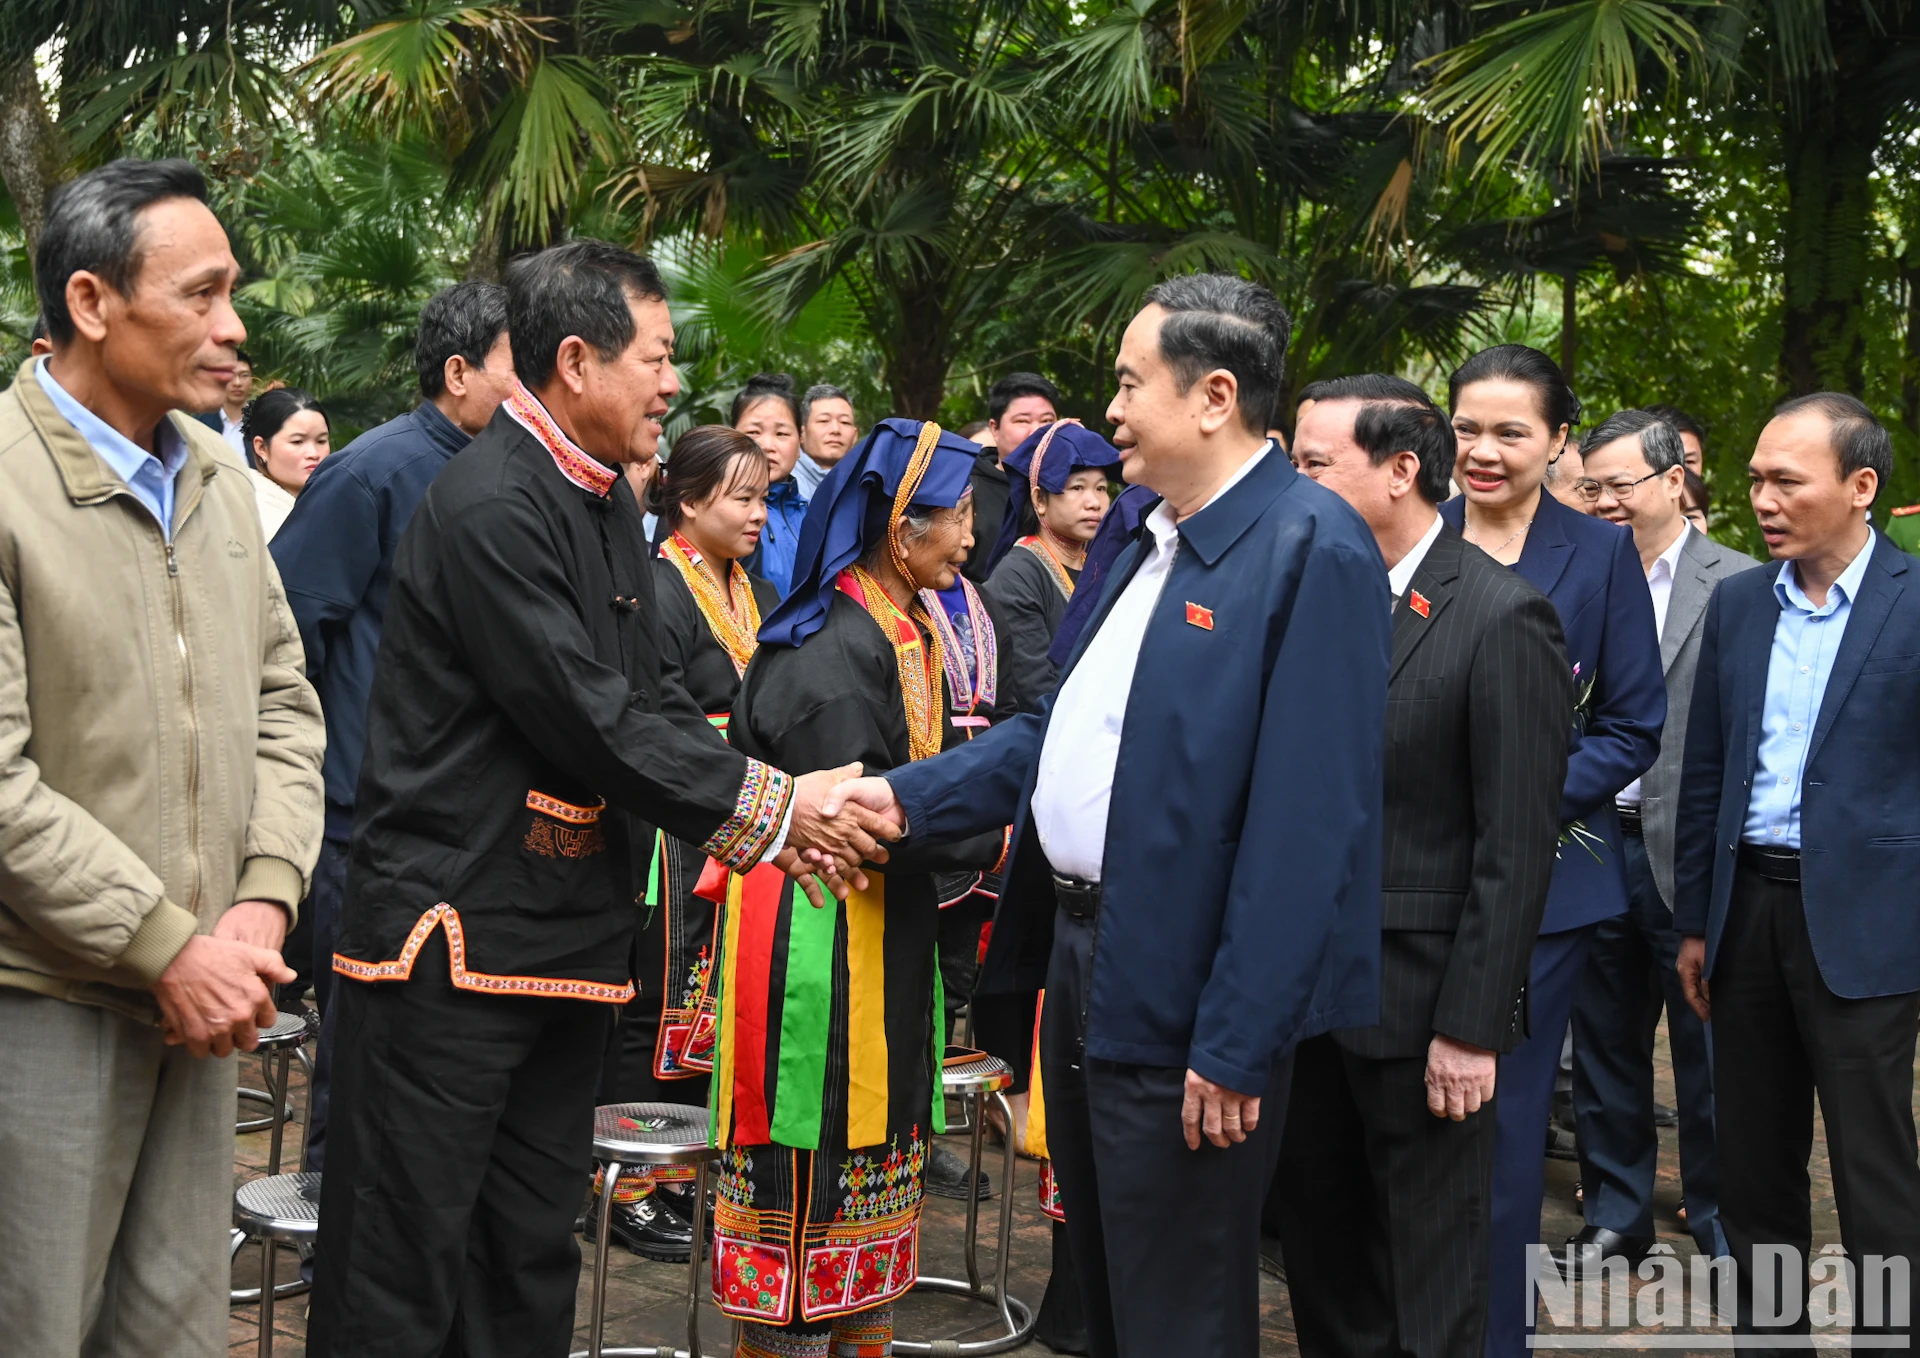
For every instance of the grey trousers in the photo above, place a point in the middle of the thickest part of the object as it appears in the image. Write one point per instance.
(116, 1187)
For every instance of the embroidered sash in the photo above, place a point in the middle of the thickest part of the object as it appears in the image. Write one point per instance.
(732, 614)
(919, 672)
(978, 688)
(1055, 567)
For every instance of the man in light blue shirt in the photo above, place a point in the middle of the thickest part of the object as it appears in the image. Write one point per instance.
(150, 476)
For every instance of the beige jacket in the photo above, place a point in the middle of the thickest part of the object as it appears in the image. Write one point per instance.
(160, 745)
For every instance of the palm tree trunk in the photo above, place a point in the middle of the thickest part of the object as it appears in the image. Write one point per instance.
(32, 153)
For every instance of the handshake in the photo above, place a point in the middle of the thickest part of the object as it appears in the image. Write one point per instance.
(839, 819)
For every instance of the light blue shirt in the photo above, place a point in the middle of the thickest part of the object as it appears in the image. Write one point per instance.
(150, 478)
(1805, 642)
(808, 474)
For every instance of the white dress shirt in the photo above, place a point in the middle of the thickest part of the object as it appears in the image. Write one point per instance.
(1075, 786)
(1660, 585)
(230, 431)
(1401, 576)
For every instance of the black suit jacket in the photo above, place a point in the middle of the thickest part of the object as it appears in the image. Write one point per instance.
(1479, 711)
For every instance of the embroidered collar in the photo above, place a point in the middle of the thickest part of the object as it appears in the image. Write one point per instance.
(574, 463)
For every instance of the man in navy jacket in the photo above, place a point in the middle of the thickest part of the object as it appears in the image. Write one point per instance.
(1196, 863)
(335, 554)
(1798, 843)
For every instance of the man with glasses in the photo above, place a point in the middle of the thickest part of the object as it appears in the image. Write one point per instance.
(1636, 476)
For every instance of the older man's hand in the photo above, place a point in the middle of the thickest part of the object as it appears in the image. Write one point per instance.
(214, 995)
(261, 923)
(836, 833)
(1460, 1077)
(1223, 1115)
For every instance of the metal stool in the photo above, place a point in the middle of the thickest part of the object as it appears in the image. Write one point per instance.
(278, 1046)
(972, 1079)
(627, 1135)
(280, 1207)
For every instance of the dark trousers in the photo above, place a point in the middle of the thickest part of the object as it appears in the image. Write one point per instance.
(1166, 1239)
(323, 910)
(1525, 1085)
(959, 940)
(461, 1146)
(1779, 1037)
(1383, 1210)
(1630, 978)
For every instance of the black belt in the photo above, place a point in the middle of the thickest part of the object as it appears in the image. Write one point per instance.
(1630, 821)
(1776, 865)
(1079, 899)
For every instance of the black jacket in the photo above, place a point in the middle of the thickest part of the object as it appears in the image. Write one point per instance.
(1479, 707)
(518, 709)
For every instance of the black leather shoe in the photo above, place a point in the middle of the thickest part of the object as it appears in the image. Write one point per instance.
(647, 1228)
(1592, 1246)
(947, 1176)
(1664, 1116)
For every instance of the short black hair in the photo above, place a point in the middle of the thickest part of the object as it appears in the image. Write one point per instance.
(1366, 387)
(1681, 421)
(268, 411)
(39, 331)
(704, 459)
(91, 227)
(243, 356)
(1387, 427)
(1524, 364)
(1012, 387)
(1659, 440)
(766, 387)
(465, 319)
(1859, 439)
(1218, 320)
(585, 288)
(973, 428)
(821, 391)
(1697, 491)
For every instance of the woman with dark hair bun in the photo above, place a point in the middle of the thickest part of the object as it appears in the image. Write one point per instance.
(286, 433)
(768, 412)
(711, 496)
(1512, 412)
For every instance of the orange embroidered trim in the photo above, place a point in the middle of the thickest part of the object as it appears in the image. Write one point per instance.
(1043, 549)
(573, 461)
(559, 810)
(921, 663)
(732, 614)
(445, 916)
(759, 812)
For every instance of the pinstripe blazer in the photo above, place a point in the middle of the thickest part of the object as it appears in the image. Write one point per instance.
(1479, 707)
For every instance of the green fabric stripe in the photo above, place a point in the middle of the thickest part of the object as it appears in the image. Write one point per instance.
(939, 1045)
(806, 1013)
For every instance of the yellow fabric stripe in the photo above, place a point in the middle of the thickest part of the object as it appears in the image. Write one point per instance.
(867, 1014)
(722, 1131)
(1037, 1095)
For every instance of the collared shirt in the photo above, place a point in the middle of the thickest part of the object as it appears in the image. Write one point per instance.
(230, 431)
(1075, 786)
(807, 476)
(149, 477)
(1660, 584)
(1401, 575)
(1806, 640)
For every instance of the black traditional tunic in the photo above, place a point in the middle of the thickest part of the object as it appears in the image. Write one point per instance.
(825, 1093)
(1029, 602)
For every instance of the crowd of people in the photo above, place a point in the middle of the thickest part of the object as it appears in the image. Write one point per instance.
(1318, 809)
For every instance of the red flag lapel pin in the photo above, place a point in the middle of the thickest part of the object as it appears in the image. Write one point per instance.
(1418, 602)
(1198, 616)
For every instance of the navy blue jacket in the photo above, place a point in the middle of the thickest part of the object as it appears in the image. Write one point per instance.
(1859, 796)
(1591, 570)
(335, 554)
(1241, 910)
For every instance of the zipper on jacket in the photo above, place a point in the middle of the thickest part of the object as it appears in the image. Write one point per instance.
(178, 594)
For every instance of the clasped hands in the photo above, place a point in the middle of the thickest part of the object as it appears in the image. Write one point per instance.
(839, 819)
(216, 994)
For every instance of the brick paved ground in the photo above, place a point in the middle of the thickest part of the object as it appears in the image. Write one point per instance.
(646, 1300)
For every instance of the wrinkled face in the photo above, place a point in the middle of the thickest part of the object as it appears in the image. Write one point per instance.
(830, 430)
(1629, 491)
(769, 423)
(1024, 414)
(1075, 512)
(289, 458)
(482, 389)
(1324, 449)
(1156, 425)
(171, 339)
(1804, 505)
(1569, 478)
(1505, 442)
(624, 399)
(726, 524)
(935, 557)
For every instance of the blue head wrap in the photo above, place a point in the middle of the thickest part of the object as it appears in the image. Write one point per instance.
(1058, 450)
(854, 508)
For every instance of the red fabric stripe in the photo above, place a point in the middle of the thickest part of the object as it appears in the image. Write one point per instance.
(760, 894)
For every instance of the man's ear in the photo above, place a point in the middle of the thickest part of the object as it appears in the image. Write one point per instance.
(88, 298)
(570, 363)
(453, 374)
(1221, 390)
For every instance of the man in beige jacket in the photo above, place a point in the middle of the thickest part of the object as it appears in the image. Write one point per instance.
(160, 797)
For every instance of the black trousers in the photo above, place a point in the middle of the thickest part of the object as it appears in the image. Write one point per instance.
(459, 1155)
(1166, 1240)
(1629, 978)
(1779, 1037)
(1383, 1210)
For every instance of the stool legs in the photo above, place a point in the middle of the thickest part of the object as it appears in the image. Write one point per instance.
(693, 1259)
(603, 1237)
(275, 1069)
(267, 1290)
(977, 1121)
(1009, 1160)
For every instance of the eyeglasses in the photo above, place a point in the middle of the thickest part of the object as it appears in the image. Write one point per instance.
(1622, 491)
